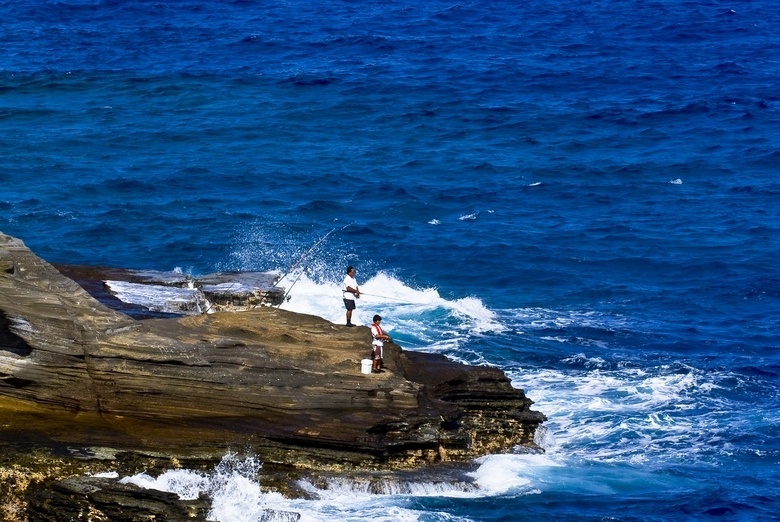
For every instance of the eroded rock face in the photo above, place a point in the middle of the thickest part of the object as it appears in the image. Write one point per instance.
(286, 385)
(94, 498)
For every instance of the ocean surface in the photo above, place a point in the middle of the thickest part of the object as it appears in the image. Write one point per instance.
(585, 194)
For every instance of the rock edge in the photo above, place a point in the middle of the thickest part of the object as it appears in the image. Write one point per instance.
(285, 386)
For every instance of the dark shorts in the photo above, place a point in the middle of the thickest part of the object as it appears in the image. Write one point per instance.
(349, 303)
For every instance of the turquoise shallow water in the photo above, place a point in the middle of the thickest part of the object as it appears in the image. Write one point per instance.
(583, 194)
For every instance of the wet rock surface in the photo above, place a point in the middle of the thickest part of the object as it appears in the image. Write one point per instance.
(108, 499)
(144, 294)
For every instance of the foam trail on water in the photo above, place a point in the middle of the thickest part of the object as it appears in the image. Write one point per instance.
(517, 475)
(629, 415)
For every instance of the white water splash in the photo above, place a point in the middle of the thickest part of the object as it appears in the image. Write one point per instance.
(501, 474)
(421, 316)
(160, 298)
(625, 414)
(185, 483)
(238, 497)
(233, 487)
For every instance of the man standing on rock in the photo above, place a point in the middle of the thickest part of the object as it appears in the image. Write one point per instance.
(350, 292)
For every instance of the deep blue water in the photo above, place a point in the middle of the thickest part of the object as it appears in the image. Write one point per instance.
(583, 193)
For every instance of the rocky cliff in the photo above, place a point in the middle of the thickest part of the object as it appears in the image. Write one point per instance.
(287, 386)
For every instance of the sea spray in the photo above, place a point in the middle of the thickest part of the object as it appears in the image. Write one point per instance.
(185, 483)
(418, 319)
(233, 487)
(237, 496)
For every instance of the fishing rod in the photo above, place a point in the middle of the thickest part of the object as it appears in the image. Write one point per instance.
(305, 254)
(289, 270)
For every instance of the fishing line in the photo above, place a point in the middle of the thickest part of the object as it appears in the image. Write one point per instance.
(395, 299)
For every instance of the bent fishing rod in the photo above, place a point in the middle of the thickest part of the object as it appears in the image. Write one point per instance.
(304, 256)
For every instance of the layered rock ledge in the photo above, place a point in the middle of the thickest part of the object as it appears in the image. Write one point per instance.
(286, 386)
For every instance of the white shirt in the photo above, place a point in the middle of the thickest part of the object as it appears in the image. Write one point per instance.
(349, 281)
(375, 331)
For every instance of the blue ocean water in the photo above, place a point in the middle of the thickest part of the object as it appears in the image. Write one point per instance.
(584, 194)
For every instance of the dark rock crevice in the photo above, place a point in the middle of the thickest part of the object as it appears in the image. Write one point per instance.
(10, 341)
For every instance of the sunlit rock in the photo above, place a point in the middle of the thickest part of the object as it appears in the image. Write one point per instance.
(286, 386)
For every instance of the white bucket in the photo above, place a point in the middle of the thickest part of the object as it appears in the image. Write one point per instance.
(365, 366)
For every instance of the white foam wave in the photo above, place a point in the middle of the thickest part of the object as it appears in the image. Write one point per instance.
(238, 497)
(185, 483)
(421, 318)
(626, 414)
(517, 474)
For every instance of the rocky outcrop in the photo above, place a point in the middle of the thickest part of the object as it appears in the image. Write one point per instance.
(95, 498)
(143, 294)
(287, 386)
